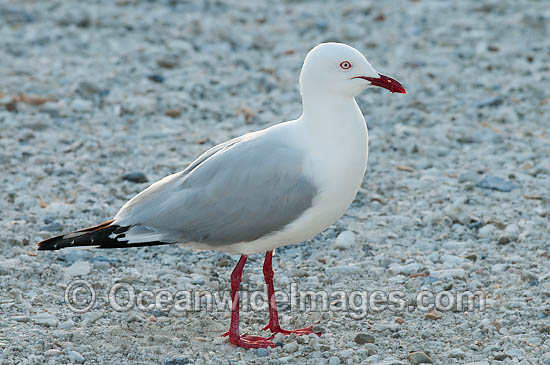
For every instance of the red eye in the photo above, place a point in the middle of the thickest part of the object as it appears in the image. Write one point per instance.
(345, 65)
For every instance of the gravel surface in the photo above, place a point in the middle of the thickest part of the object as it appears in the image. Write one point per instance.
(100, 98)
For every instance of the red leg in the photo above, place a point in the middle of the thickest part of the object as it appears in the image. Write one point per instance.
(273, 324)
(233, 333)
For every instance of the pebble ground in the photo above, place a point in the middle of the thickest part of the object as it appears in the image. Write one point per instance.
(100, 98)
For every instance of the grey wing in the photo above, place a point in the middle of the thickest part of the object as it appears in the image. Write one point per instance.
(241, 191)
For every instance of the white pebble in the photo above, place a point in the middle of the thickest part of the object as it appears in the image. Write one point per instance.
(345, 240)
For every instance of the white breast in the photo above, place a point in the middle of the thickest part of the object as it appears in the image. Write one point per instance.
(336, 163)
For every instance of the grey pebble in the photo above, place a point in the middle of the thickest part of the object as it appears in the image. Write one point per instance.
(419, 357)
(517, 353)
(496, 183)
(177, 361)
(262, 352)
(45, 319)
(82, 106)
(75, 356)
(477, 105)
(456, 353)
(486, 230)
(290, 347)
(52, 227)
(364, 338)
(469, 176)
(136, 177)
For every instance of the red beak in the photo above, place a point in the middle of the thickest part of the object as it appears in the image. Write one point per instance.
(386, 82)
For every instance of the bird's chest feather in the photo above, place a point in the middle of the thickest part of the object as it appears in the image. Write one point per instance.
(339, 165)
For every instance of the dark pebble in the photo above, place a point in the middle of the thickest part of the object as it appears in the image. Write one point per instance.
(496, 183)
(52, 227)
(156, 78)
(533, 283)
(364, 338)
(493, 102)
(501, 356)
(49, 219)
(177, 361)
(475, 225)
(137, 177)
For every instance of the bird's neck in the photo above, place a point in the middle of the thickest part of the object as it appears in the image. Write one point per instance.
(331, 113)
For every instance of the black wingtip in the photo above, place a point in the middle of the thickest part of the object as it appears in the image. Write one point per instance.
(100, 236)
(49, 244)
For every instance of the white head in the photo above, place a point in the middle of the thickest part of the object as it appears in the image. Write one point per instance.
(336, 68)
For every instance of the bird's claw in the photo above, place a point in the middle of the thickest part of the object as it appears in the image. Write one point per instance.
(298, 332)
(250, 342)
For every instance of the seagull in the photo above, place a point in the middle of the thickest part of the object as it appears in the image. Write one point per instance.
(274, 187)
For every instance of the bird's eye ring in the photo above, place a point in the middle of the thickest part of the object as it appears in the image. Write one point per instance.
(344, 65)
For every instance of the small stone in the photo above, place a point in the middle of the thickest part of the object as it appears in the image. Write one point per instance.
(486, 231)
(535, 341)
(177, 361)
(76, 357)
(345, 269)
(500, 356)
(496, 183)
(45, 319)
(399, 320)
(469, 177)
(53, 352)
(545, 329)
(517, 353)
(52, 227)
(419, 358)
(471, 257)
(504, 239)
(262, 352)
(79, 268)
(172, 113)
(69, 323)
(290, 347)
(499, 267)
(363, 338)
(345, 240)
(87, 89)
(318, 328)
(136, 177)
(450, 274)
(457, 212)
(456, 354)
(156, 78)
(279, 339)
(82, 106)
(167, 62)
(433, 315)
(20, 318)
(475, 225)
(334, 360)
